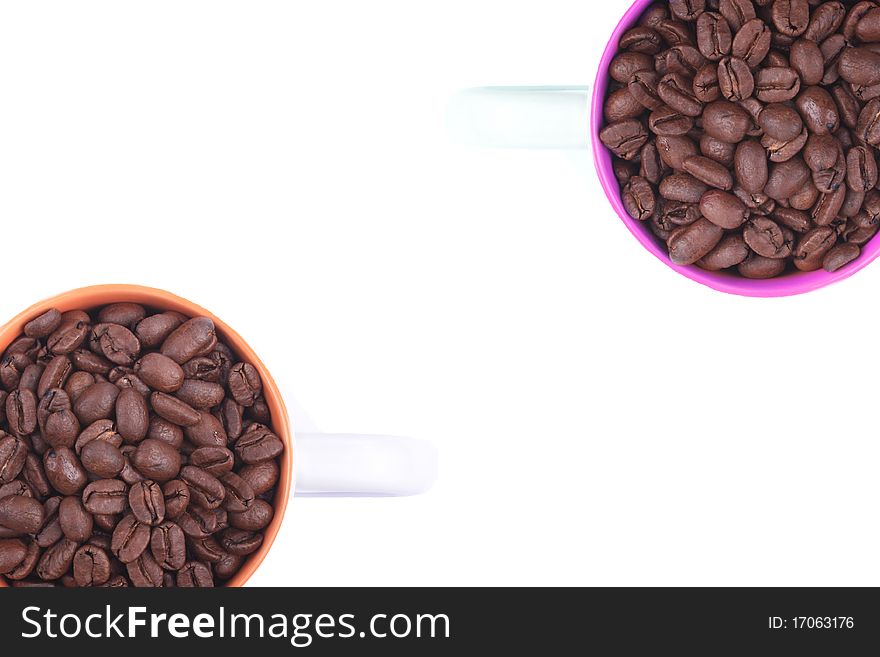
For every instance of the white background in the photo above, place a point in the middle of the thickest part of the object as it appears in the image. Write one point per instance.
(601, 419)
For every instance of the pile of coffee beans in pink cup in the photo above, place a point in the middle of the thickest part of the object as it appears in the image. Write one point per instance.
(745, 132)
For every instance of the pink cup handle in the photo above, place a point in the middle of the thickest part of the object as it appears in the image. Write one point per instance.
(521, 117)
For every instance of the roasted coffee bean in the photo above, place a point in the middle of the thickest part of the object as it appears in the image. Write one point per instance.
(638, 199)
(812, 247)
(731, 251)
(735, 79)
(786, 178)
(259, 444)
(195, 574)
(168, 545)
(96, 402)
(766, 238)
(239, 494)
(152, 331)
(750, 164)
(651, 168)
(104, 430)
(125, 314)
(21, 514)
(76, 521)
(709, 172)
(174, 410)
(26, 566)
(240, 542)
(68, 337)
(705, 86)
(621, 105)
(132, 415)
(102, 459)
(13, 454)
(861, 169)
(64, 471)
(56, 560)
(167, 432)
(228, 565)
(160, 372)
(130, 538)
(101, 410)
(626, 64)
(213, 460)
(206, 491)
(21, 412)
(55, 375)
(840, 256)
(723, 209)
(147, 502)
(77, 384)
(176, 498)
(859, 66)
(106, 497)
(726, 121)
(776, 84)
(91, 566)
(145, 572)
(258, 515)
(668, 121)
(44, 325)
(157, 460)
(88, 361)
(207, 432)
(818, 110)
(12, 552)
(195, 337)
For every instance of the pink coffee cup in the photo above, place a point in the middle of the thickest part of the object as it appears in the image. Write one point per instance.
(788, 284)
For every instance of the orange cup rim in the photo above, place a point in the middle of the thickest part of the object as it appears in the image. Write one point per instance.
(86, 298)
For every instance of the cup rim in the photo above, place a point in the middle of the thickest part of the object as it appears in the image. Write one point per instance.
(99, 295)
(786, 285)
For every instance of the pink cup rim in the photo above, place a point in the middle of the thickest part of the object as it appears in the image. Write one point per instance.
(787, 285)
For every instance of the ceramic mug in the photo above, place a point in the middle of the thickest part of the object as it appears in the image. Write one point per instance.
(313, 464)
(569, 117)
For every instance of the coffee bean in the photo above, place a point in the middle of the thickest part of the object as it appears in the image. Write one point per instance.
(259, 444)
(157, 460)
(96, 402)
(203, 395)
(723, 209)
(130, 538)
(145, 572)
(56, 560)
(195, 337)
(168, 546)
(125, 314)
(160, 372)
(44, 325)
(206, 491)
(195, 574)
(64, 471)
(102, 459)
(76, 521)
(91, 566)
(106, 497)
(21, 514)
(174, 410)
(213, 460)
(132, 415)
(26, 566)
(13, 454)
(147, 502)
(240, 542)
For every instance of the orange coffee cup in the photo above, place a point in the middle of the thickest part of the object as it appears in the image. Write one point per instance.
(100, 295)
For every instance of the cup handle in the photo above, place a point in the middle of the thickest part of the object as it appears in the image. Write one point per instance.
(521, 117)
(347, 465)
